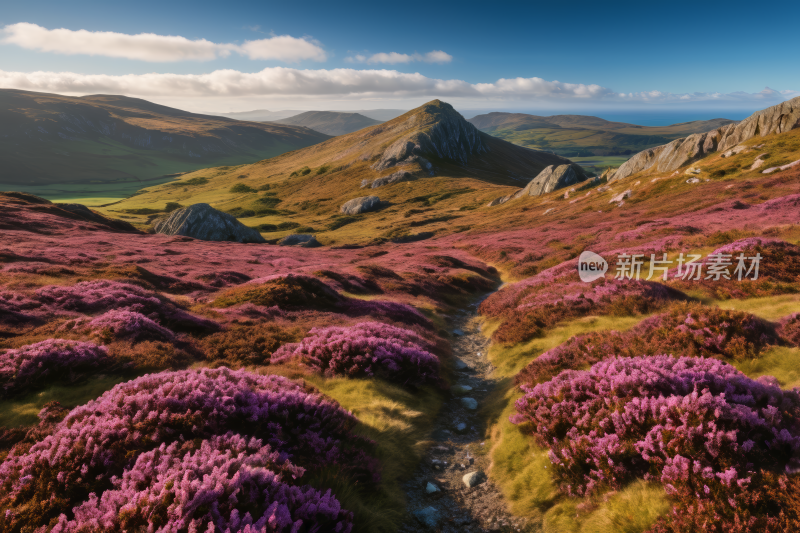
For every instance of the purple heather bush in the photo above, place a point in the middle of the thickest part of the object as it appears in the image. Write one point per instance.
(103, 295)
(390, 311)
(789, 329)
(49, 360)
(366, 349)
(229, 483)
(122, 324)
(96, 444)
(689, 329)
(542, 301)
(699, 426)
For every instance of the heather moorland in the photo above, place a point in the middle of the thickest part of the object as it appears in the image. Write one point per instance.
(163, 382)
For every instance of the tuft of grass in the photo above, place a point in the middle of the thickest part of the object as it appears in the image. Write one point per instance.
(242, 188)
(780, 362)
(24, 410)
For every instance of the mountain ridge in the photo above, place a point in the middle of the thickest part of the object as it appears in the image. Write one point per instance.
(53, 139)
(330, 122)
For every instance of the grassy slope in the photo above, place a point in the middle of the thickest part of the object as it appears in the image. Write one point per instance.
(584, 136)
(336, 169)
(110, 146)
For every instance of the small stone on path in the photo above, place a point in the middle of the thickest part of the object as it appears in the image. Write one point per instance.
(458, 390)
(431, 488)
(469, 403)
(473, 479)
(428, 516)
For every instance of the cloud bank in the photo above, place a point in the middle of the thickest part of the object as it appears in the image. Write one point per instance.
(393, 58)
(283, 84)
(156, 48)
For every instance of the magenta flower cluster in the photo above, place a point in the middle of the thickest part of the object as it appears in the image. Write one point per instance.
(104, 295)
(102, 446)
(48, 360)
(696, 425)
(230, 483)
(366, 349)
(129, 325)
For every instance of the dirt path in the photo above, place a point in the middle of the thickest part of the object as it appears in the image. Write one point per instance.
(458, 450)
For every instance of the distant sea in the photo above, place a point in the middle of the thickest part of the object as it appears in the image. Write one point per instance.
(641, 118)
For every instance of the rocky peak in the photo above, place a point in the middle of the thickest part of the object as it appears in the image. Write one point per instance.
(668, 157)
(433, 130)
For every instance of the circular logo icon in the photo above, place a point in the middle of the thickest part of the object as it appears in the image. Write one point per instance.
(591, 266)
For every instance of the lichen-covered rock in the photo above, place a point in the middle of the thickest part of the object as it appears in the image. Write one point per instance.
(665, 158)
(360, 205)
(201, 221)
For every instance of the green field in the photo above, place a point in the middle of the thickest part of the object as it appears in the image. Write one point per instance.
(103, 172)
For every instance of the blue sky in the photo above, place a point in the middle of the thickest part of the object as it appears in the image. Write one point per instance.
(606, 56)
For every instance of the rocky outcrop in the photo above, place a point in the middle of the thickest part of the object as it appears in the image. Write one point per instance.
(396, 177)
(438, 131)
(553, 178)
(303, 240)
(201, 221)
(668, 157)
(360, 205)
(550, 179)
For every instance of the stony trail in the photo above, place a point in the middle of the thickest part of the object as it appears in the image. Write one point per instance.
(438, 496)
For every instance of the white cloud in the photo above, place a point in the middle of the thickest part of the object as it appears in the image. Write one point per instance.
(393, 58)
(155, 48)
(283, 48)
(376, 85)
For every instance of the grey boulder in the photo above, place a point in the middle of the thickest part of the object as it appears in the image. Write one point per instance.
(303, 240)
(548, 180)
(553, 178)
(360, 205)
(201, 221)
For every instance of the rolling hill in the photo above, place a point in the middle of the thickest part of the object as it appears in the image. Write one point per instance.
(106, 140)
(579, 136)
(430, 155)
(330, 122)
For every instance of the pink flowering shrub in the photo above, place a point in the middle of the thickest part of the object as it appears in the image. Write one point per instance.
(384, 310)
(789, 329)
(540, 305)
(366, 349)
(96, 444)
(251, 486)
(778, 272)
(699, 426)
(123, 324)
(49, 360)
(689, 329)
(103, 295)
